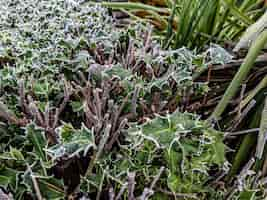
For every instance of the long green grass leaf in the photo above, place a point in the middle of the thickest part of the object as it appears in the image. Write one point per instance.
(240, 75)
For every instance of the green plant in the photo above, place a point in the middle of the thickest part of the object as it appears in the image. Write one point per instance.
(196, 23)
(243, 71)
(75, 91)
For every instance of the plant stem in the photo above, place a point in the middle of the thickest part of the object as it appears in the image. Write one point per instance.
(254, 92)
(131, 5)
(97, 154)
(261, 143)
(249, 141)
(240, 76)
(244, 151)
(35, 184)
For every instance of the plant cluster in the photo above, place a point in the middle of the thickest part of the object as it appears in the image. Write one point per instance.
(91, 111)
(195, 23)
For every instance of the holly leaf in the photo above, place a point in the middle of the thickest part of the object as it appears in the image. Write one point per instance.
(36, 137)
(73, 141)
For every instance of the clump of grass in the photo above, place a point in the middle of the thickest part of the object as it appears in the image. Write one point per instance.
(195, 24)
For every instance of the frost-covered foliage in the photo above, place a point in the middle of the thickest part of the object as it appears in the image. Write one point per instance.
(43, 35)
(89, 110)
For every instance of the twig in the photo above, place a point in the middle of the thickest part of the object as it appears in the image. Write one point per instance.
(261, 60)
(123, 188)
(115, 135)
(146, 194)
(131, 185)
(67, 93)
(22, 102)
(179, 195)
(241, 98)
(161, 170)
(97, 103)
(100, 150)
(243, 114)
(134, 99)
(118, 113)
(103, 141)
(47, 116)
(237, 133)
(147, 40)
(149, 191)
(246, 168)
(35, 112)
(130, 54)
(111, 193)
(35, 184)
(263, 132)
(208, 81)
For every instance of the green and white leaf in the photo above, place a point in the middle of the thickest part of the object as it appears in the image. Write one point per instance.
(73, 141)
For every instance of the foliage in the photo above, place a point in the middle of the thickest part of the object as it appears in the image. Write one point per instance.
(196, 23)
(188, 148)
(73, 89)
(92, 111)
